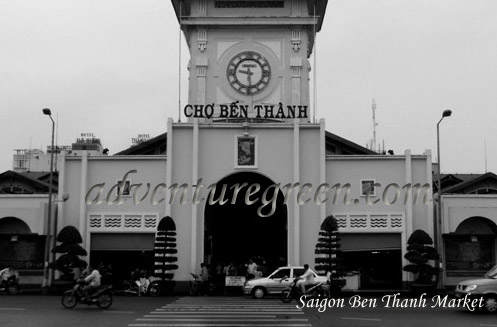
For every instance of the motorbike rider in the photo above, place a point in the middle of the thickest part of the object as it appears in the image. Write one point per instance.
(307, 278)
(143, 282)
(6, 274)
(92, 282)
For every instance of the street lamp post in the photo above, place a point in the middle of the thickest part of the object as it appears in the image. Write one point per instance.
(438, 224)
(47, 112)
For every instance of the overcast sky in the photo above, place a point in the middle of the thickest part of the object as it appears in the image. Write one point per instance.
(111, 68)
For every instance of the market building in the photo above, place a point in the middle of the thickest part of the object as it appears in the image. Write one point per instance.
(250, 173)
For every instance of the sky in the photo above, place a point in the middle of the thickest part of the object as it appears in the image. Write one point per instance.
(111, 68)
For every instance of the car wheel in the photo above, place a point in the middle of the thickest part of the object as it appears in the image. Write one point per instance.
(258, 293)
(490, 304)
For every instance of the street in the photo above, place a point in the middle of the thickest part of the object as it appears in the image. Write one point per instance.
(36, 310)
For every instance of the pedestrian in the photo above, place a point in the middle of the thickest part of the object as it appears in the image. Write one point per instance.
(264, 268)
(251, 267)
(258, 273)
(204, 277)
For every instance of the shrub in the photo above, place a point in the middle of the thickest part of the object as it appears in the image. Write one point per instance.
(70, 238)
(419, 254)
(328, 252)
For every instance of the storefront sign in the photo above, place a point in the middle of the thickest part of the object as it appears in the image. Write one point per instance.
(235, 110)
(235, 280)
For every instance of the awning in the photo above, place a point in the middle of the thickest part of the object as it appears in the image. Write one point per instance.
(370, 242)
(122, 241)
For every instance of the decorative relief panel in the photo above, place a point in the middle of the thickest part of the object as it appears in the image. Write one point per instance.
(296, 71)
(296, 40)
(370, 222)
(202, 39)
(296, 7)
(249, 4)
(202, 6)
(122, 222)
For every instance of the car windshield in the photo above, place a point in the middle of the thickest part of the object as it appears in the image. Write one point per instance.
(492, 273)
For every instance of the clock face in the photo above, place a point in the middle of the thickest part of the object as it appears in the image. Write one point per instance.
(248, 72)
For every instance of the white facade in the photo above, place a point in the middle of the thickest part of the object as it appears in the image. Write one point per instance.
(30, 208)
(285, 154)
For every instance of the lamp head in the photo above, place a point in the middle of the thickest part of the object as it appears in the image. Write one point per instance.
(447, 113)
(47, 111)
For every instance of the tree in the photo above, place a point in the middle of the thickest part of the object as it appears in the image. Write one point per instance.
(70, 238)
(165, 251)
(328, 252)
(420, 252)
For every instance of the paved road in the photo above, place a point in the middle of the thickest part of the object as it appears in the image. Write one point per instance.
(40, 311)
(224, 312)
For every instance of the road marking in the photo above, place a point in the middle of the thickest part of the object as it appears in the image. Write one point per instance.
(118, 311)
(204, 315)
(13, 309)
(219, 325)
(232, 311)
(487, 325)
(223, 312)
(364, 319)
(214, 319)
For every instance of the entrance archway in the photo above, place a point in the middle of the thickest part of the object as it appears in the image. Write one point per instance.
(235, 232)
(13, 225)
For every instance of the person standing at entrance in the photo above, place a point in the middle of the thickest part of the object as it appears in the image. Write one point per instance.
(252, 266)
(204, 276)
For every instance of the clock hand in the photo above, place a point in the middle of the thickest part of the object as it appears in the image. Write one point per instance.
(249, 77)
(248, 72)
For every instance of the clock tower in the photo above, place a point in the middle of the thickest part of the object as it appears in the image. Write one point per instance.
(251, 52)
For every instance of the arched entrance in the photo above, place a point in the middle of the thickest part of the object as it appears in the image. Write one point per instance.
(20, 247)
(235, 232)
(471, 248)
(13, 225)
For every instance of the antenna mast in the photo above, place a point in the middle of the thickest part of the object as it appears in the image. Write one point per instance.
(374, 145)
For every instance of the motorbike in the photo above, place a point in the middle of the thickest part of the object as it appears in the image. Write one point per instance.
(102, 296)
(11, 286)
(141, 287)
(195, 285)
(293, 291)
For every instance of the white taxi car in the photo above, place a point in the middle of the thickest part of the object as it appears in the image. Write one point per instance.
(276, 282)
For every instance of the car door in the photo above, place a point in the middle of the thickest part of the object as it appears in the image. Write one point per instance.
(278, 280)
